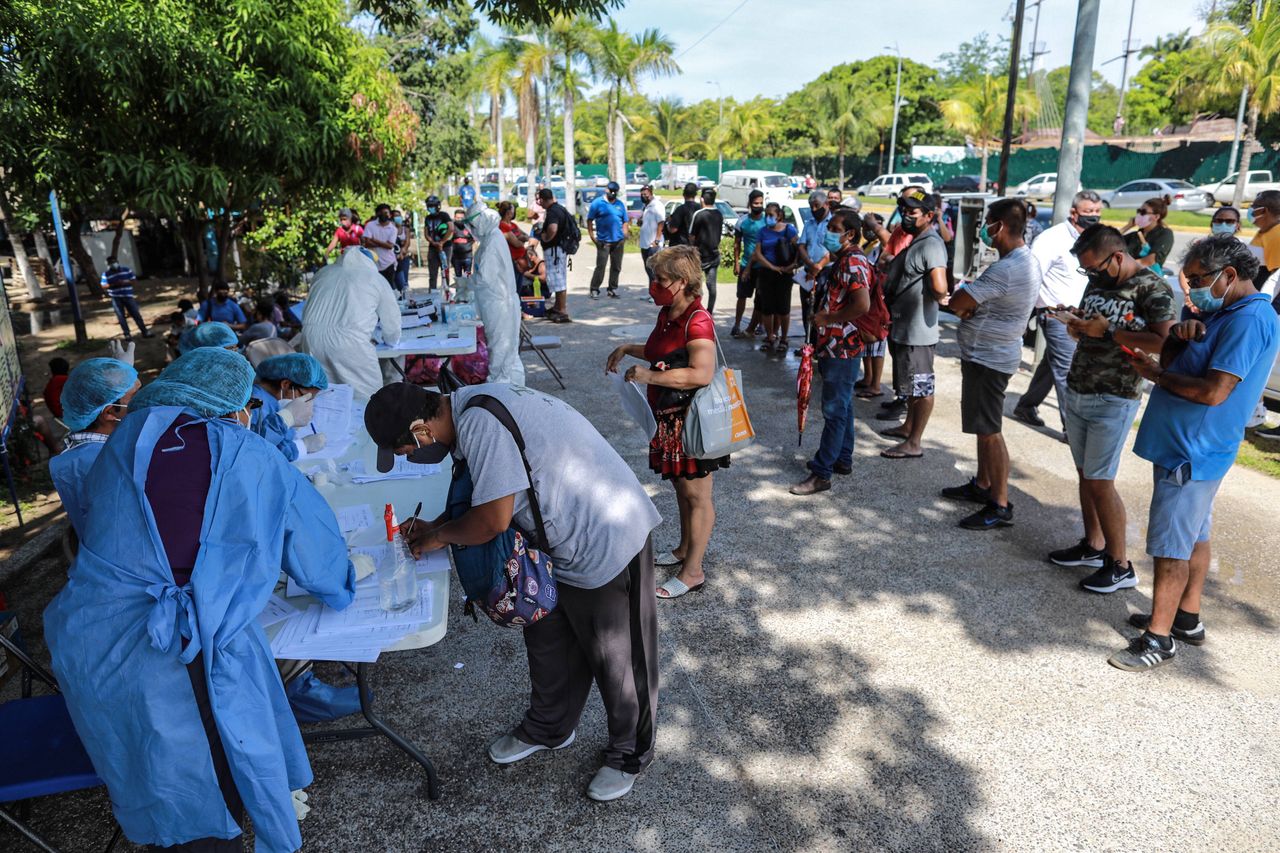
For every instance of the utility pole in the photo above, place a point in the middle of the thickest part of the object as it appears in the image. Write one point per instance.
(1079, 84)
(76, 317)
(897, 102)
(719, 131)
(1129, 50)
(1011, 96)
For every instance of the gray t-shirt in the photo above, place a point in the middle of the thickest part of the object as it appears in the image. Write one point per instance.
(1005, 294)
(914, 315)
(596, 513)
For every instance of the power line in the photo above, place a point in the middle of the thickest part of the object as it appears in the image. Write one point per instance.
(704, 36)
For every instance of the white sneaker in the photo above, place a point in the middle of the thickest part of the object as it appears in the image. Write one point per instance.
(509, 749)
(610, 784)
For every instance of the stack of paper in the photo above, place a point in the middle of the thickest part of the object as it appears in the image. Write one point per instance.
(334, 415)
(402, 470)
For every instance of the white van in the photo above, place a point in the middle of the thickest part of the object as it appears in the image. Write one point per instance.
(737, 184)
(893, 184)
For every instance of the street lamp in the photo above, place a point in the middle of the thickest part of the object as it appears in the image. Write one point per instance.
(897, 102)
(719, 130)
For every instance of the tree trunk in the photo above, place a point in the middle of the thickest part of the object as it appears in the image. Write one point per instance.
(502, 164)
(202, 259)
(75, 246)
(530, 161)
(841, 166)
(115, 241)
(620, 148)
(42, 247)
(19, 252)
(570, 156)
(1246, 154)
(983, 177)
(223, 237)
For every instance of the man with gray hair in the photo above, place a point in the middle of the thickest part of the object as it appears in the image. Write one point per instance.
(1209, 374)
(1062, 286)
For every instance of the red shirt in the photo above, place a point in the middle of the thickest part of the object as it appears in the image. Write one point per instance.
(53, 395)
(670, 334)
(850, 273)
(899, 239)
(508, 227)
(348, 237)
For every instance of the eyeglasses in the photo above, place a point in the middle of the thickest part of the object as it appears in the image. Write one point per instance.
(1143, 211)
(1195, 280)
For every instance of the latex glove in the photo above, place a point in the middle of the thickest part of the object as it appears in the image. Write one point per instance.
(296, 413)
(300, 807)
(121, 352)
(313, 442)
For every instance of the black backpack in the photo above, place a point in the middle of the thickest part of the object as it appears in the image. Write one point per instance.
(570, 235)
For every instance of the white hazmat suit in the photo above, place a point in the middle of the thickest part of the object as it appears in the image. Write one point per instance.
(347, 301)
(494, 290)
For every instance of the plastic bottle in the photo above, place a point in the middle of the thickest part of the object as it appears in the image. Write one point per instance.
(397, 574)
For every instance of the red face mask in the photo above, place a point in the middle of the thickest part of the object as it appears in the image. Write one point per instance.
(661, 295)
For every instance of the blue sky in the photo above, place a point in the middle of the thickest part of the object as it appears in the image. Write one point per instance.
(802, 39)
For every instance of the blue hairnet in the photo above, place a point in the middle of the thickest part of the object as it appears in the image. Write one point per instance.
(298, 367)
(213, 334)
(91, 387)
(210, 380)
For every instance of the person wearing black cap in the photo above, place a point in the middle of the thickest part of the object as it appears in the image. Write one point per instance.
(916, 285)
(608, 227)
(598, 521)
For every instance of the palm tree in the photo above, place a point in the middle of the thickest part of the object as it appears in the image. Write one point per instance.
(849, 119)
(531, 61)
(572, 39)
(670, 130)
(1236, 58)
(976, 109)
(1165, 45)
(495, 67)
(746, 126)
(622, 59)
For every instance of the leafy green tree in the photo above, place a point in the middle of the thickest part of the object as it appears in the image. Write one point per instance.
(979, 56)
(1103, 98)
(669, 129)
(848, 118)
(621, 60)
(977, 109)
(573, 39)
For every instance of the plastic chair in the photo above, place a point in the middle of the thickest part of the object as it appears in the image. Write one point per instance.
(262, 349)
(44, 755)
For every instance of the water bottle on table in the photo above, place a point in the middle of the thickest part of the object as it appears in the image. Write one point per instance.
(397, 574)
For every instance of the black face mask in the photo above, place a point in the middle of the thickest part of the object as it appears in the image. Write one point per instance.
(756, 212)
(909, 225)
(611, 195)
(431, 454)
(384, 217)
(1101, 277)
(1083, 222)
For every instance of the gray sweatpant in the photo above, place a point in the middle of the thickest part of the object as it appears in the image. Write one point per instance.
(608, 635)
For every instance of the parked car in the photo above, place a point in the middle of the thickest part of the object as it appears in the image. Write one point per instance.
(736, 185)
(1043, 185)
(726, 210)
(962, 184)
(489, 192)
(1182, 195)
(586, 195)
(889, 186)
(1257, 181)
(705, 183)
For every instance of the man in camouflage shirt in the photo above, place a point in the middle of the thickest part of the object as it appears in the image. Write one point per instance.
(1124, 307)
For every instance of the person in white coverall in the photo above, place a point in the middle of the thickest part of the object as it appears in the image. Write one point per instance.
(347, 301)
(495, 296)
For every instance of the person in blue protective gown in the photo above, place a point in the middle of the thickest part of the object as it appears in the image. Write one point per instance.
(167, 675)
(287, 386)
(94, 401)
(209, 334)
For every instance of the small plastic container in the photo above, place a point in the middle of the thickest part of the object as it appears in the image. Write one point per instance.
(397, 574)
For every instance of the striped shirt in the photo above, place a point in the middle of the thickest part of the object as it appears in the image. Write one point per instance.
(118, 280)
(75, 439)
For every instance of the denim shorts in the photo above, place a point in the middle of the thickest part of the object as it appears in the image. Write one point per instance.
(1181, 512)
(1097, 426)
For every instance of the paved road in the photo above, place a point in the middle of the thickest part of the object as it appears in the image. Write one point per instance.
(859, 674)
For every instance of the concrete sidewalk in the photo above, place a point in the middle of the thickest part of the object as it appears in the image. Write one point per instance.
(858, 674)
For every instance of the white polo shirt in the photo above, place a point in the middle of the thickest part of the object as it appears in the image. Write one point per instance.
(1062, 283)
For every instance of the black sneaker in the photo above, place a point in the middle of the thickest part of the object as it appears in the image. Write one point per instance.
(1079, 554)
(1111, 578)
(1143, 653)
(989, 517)
(843, 470)
(970, 491)
(613, 294)
(1028, 416)
(1194, 637)
(896, 402)
(1272, 433)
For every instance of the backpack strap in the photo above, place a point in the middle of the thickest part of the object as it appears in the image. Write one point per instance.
(494, 407)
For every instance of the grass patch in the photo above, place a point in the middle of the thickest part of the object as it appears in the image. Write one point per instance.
(1260, 454)
(91, 345)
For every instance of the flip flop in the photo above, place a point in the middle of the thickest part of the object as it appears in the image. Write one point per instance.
(674, 564)
(892, 454)
(674, 588)
(889, 433)
(868, 394)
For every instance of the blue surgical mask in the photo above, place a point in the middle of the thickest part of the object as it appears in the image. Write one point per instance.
(832, 242)
(770, 221)
(1203, 298)
(397, 219)
(1250, 215)
(1223, 228)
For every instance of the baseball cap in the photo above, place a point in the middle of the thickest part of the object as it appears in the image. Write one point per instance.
(387, 418)
(918, 199)
(612, 185)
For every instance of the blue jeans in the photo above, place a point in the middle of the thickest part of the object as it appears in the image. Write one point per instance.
(1052, 370)
(836, 445)
(129, 304)
(402, 274)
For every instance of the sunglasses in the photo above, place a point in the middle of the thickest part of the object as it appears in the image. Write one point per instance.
(254, 403)
(1211, 276)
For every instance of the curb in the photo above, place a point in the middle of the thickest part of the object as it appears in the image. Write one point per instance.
(32, 550)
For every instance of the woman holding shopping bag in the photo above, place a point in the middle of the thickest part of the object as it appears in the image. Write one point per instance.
(681, 352)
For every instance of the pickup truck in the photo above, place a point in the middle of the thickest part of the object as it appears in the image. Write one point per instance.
(1225, 191)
